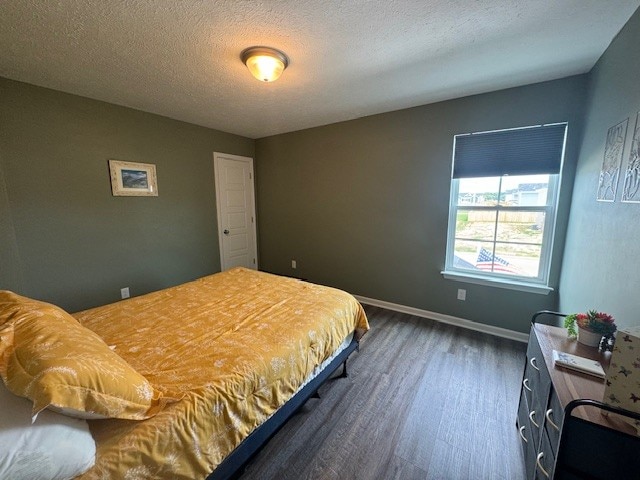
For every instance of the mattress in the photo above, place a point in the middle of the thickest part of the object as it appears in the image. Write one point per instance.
(234, 347)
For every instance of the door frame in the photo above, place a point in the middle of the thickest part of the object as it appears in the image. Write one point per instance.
(217, 156)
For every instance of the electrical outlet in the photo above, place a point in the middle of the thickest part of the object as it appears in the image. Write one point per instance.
(294, 264)
(124, 292)
(462, 294)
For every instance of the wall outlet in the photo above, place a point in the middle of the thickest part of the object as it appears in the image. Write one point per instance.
(124, 292)
(462, 294)
(294, 264)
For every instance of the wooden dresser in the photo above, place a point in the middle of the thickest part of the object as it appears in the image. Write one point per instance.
(546, 391)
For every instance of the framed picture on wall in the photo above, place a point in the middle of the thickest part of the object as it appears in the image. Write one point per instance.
(631, 188)
(608, 182)
(130, 179)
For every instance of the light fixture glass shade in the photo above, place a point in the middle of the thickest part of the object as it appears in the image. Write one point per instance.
(264, 63)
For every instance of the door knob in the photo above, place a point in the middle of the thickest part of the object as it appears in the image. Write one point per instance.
(226, 232)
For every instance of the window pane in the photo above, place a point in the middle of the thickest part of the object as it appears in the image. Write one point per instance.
(525, 190)
(510, 259)
(478, 191)
(515, 260)
(519, 226)
(521, 260)
(476, 225)
(466, 253)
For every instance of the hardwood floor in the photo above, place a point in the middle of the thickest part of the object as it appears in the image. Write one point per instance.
(423, 400)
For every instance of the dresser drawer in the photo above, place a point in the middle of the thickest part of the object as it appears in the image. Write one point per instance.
(526, 435)
(536, 385)
(553, 420)
(545, 460)
(536, 372)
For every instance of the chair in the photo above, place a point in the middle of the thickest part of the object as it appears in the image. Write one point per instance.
(534, 318)
(590, 451)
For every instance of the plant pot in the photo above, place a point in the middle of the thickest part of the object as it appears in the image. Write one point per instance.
(588, 338)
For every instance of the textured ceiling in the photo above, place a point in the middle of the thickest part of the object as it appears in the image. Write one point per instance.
(349, 59)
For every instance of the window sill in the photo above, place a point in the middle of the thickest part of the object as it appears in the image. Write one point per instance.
(497, 282)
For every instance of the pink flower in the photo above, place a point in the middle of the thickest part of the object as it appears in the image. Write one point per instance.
(604, 317)
(582, 321)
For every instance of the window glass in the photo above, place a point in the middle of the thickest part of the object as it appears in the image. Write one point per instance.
(476, 225)
(478, 191)
(500, 225)
(521, 226)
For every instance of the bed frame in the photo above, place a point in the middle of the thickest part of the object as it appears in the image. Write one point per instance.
(233, 465)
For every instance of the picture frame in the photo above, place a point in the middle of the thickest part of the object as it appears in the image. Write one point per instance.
(612, 162)
(130, 179)
(631, 187)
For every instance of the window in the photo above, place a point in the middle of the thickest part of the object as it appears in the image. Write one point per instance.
(504, 192)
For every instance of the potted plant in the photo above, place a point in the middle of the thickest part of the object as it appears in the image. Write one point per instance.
(592, 326)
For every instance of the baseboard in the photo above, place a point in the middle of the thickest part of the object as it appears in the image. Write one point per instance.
(449, 319)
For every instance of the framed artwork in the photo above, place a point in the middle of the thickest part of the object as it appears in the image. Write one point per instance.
(631, 187)
(130, 179)
(610, 172)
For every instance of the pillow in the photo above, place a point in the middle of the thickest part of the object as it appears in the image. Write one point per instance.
(49, 358)
(53, 447)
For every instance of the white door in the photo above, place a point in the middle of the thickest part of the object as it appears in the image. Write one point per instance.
(236, 211)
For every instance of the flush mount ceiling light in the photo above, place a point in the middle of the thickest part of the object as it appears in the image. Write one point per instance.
(264, 63)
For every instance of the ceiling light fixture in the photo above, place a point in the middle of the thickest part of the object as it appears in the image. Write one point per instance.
(264, 63)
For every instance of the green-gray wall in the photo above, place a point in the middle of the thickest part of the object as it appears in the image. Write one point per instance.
(63, 237)
(363, 205)
(601, 266)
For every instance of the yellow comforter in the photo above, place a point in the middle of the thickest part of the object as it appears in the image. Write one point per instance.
(236, 345)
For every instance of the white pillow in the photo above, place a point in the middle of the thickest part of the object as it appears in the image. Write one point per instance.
(53, 447)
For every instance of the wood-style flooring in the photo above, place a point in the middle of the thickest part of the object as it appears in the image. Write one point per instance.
(423, 400)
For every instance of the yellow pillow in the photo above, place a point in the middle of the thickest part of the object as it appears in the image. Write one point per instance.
(49, 358)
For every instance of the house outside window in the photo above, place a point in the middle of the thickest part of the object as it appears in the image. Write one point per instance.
(502, 211)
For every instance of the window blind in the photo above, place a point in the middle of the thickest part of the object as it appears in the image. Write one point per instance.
(522, 151)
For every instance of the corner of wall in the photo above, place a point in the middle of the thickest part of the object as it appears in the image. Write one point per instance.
(10, 265)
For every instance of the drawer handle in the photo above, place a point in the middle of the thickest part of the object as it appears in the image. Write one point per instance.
(532, 414)
(533, 363)
(548, 416)
(540, 467)
(521, 432)
(525, 384)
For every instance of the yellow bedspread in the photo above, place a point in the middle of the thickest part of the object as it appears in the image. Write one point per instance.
(236, 345)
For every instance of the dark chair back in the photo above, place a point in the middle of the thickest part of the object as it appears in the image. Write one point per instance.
(590, 451)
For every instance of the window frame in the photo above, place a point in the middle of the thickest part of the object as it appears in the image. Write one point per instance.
(539, 284)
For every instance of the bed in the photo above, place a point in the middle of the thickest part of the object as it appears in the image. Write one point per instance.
(228, 358)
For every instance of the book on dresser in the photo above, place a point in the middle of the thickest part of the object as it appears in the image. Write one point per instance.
(580, 364)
